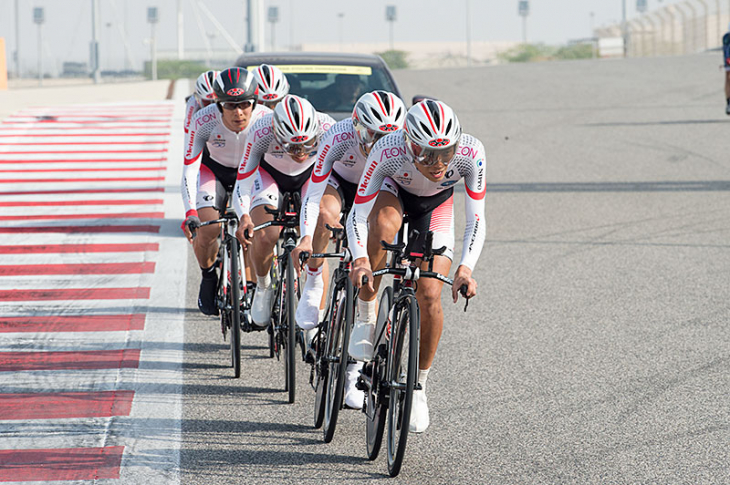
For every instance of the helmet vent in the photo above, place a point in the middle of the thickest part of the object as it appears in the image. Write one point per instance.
(377, 115)
(448, 127)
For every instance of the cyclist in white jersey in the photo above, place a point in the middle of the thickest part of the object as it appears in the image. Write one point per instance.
(273, 85)
(425, 160)
(278, 158)
(341, 160)
(214, 145)
(201, 97)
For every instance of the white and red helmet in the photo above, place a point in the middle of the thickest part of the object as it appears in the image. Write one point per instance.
(296, 123)
(431, 130)
(273, 85)
(204, 87)
(377, 113)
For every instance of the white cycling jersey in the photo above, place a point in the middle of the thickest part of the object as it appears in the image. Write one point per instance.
(390, 158)
(262, 144)
(225, 146)
(191, 107)
(339, 150)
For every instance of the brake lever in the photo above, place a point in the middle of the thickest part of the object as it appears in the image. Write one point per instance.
(463, 289)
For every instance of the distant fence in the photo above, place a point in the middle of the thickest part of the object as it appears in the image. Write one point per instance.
(680, 28)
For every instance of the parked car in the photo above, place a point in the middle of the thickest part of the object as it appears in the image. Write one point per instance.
(331, 82)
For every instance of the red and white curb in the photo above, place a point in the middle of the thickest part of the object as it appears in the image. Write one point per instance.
(92, 293)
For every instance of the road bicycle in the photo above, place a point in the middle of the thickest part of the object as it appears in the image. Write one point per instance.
(328, 352)
(390, 378)
(233, 294)
(282, 327)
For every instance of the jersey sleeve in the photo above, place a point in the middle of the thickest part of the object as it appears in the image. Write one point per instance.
(190, 108)
(384, 160)
(472, 167)
(201, 125)
(257, 143)
(331, 148)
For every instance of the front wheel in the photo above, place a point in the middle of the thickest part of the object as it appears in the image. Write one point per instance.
(234, 301)
(402, 375)
(337, 358)
(376, 398)
(290, 329)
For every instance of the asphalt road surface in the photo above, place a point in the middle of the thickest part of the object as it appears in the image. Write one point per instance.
(597, 348)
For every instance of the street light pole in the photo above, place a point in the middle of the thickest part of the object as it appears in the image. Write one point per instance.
(468, 36)
(152, 19)
(624, 34)
(17, 40)
(38, 19)
(390, 16)
(524, 10)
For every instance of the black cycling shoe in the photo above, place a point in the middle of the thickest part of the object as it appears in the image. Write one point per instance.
(206, 296)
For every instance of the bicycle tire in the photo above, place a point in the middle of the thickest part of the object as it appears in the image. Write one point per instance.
(235, 305)
(290, 353)
(403, 368)
(273, 272)
(320, 376)
(337, 361)
(377, 399)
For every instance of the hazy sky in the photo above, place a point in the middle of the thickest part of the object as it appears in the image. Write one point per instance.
(67, 29)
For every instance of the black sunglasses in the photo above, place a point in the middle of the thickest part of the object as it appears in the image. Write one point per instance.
(230, 105)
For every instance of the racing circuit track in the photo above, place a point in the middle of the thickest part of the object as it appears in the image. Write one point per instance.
(595, 351)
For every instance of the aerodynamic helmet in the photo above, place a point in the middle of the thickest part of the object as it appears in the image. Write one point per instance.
(432, 131)
(376, 114)
(273, 85)
(296, 124)
(204, 87)
(235, 85)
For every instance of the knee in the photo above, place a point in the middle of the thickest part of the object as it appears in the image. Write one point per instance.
(266, 239)
(429, 297)
(207, 235)
(385, 225)
(327, 216)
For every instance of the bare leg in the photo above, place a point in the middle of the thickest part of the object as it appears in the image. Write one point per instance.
(432, 314)
(205, 244)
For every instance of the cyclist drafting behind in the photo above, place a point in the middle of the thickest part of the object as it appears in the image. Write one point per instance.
(425, 160)
(273, 85)
(202, 96)
(214, 145)
(278, 158)
(340, 162)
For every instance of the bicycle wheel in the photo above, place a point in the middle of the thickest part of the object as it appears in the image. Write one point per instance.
(234, 302)
(337, 358)
(290, 330)
(274, 277)
(320, 375)
(376, 397)
(402, 374)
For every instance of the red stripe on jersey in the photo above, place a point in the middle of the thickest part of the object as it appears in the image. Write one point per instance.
(475, 195)
(442, 217)
(320, 178)
(242, 176)
(362, 199)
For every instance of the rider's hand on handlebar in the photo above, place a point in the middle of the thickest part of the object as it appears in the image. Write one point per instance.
(463, 278)
(361, 267)
(244, 233)
(305, 246)
(190, 226)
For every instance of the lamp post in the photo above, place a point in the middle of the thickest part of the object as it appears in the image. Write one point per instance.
(17, 39)
(468, 36)
(152, 19)
(38, 19)
(340, 16)
(94, 48)
(273, 15)
(523, 8)
(390, 16)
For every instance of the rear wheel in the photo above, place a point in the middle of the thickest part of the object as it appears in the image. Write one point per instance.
(320, 375)
(402, 375)
(234, 295)
(376, 399)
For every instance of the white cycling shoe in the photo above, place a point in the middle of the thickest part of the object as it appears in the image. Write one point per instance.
(361, 340)
(354, 397)
(419, 412)
(307, 315)
(261, 306)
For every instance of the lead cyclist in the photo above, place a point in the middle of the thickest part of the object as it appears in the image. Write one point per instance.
(426, 159)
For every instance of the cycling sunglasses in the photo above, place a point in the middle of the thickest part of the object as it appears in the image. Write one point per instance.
(368, 137)
(230, 105)
(429, 157)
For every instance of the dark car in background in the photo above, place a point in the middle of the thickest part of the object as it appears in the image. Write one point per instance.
(331, 82)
